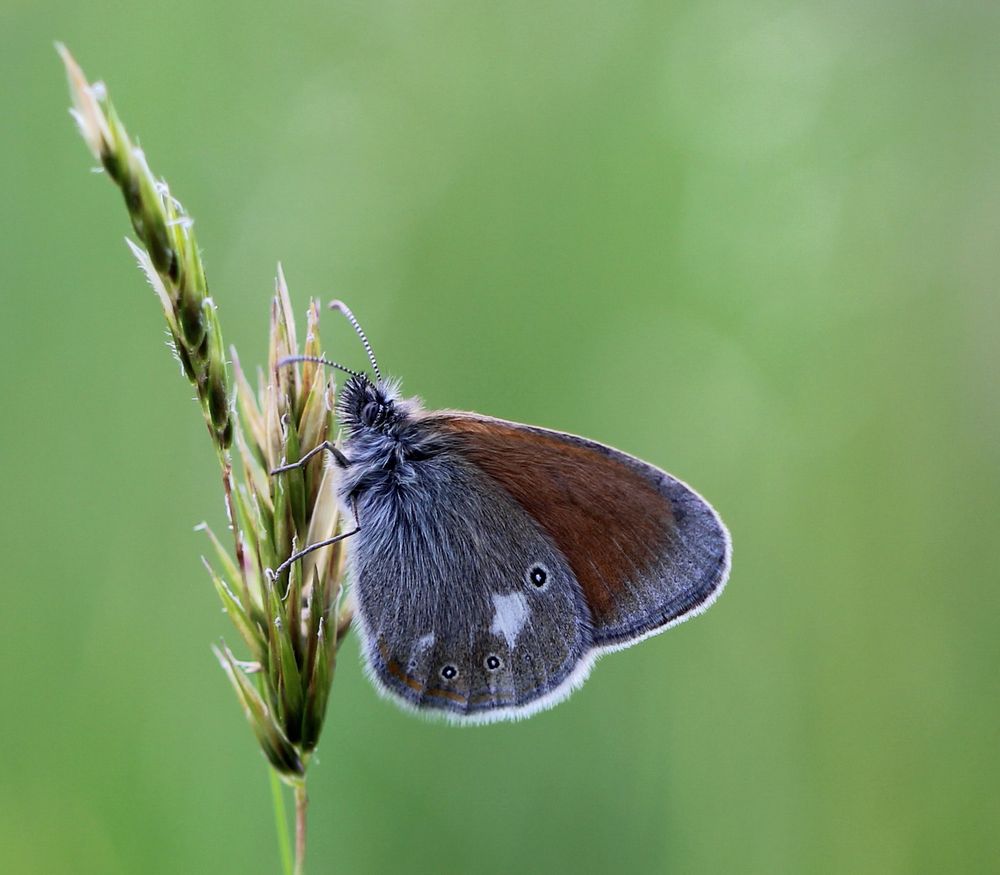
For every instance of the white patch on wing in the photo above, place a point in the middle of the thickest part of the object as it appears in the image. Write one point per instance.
(510, 612)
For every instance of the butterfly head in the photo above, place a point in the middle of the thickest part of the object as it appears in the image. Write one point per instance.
(371, 406)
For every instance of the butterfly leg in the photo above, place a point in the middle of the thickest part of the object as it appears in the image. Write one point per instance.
(327, 446)
(295, 557)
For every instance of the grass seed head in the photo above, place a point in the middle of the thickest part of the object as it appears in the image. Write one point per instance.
(293, 623)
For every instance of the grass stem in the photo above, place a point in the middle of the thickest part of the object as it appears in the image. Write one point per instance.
(301, 804)
(281, 822)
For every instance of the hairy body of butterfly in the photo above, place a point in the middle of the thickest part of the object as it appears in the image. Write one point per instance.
(495, 561)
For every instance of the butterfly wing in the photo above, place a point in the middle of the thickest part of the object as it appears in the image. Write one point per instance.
(645, 549)
(465, 606)
(490, 576)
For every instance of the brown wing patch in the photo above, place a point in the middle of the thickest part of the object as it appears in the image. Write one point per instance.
(610, 522)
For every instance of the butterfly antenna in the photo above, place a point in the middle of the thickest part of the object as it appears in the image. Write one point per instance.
(343, 308)
(291, 359)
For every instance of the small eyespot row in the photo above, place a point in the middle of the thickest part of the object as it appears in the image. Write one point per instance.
(492, 662)
(538, 575)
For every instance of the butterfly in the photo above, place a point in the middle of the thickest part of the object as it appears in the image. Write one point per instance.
(492, 562)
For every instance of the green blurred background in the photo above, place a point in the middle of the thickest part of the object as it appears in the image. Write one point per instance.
(753, 243)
